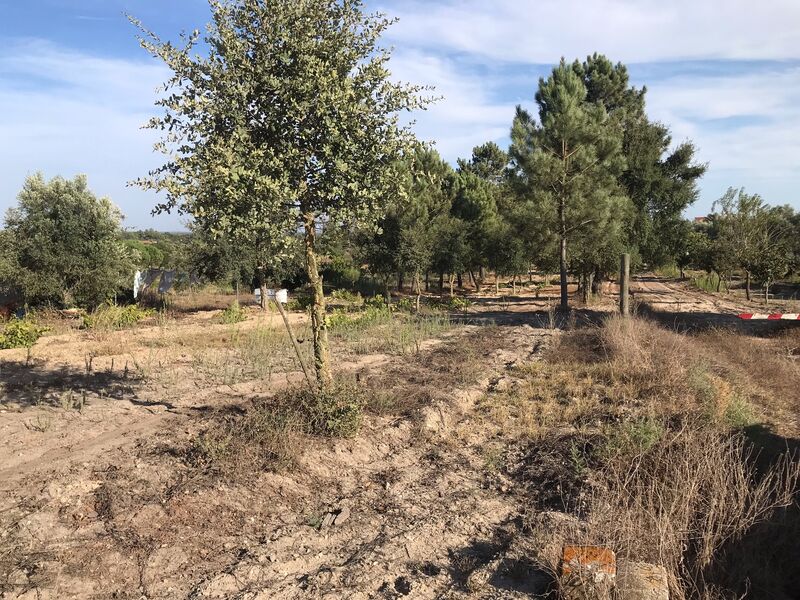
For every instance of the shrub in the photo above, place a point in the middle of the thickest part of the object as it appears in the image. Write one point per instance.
(233, 314)
(404, 305)
(335, 411)
(110, 316)
(270, 434)
(20, 333)
(299, 303)
(347, 296)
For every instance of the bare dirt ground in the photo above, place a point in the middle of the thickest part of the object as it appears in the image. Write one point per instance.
(97, 499)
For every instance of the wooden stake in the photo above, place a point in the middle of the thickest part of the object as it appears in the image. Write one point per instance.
(624, 285)
(311, 385)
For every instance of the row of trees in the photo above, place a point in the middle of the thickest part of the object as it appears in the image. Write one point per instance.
(745, 235)
(282, 135)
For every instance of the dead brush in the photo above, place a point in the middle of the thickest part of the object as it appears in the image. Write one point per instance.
(682, 501)
(273, 432)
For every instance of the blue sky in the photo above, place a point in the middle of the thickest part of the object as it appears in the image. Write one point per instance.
(75, 87)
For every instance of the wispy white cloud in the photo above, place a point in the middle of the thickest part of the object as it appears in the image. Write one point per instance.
(466, 113)
(65, 113)
(733, 86)
(541, 31)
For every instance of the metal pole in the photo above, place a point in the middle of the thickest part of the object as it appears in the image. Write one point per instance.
(624, 285)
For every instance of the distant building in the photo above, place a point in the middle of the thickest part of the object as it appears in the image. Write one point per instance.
(701, 219)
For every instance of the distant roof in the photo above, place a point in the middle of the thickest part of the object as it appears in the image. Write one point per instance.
(701, 219)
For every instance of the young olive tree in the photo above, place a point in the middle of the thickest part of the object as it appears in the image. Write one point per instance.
(281, 118)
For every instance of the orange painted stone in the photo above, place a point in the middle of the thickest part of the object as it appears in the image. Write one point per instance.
(596, 561)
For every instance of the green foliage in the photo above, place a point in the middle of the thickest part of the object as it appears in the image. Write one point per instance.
(233, 314)
(20, 333)
(289, 120)
(405, 305)
(631, 438)
(568, 164)
(109, 317)
(64, 245)
(347, 296)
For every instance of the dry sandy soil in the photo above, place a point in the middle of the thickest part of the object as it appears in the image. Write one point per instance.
(97, 499)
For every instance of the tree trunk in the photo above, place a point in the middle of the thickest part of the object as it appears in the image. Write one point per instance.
(514, 284)
(427, 281)
(419, 289)
(388, 292)
(460, 282)
(475, 281)
(452, 279)
(319, 326)
(496, 286)
(562, 216)
(719, 283)
(263, 288)
(399, 282)
(441, 282)
(747, 284)
(766, 292)
(588, 284)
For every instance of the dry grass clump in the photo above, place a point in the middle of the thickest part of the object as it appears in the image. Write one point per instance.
(271, 433)
(639, 435)
(684, 500)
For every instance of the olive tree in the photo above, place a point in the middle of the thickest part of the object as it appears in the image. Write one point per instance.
(62, 244)
(280, 118)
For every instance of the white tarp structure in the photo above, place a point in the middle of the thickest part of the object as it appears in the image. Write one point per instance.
(137, 284)
(281, 296)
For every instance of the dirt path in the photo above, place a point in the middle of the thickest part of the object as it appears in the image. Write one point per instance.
(131, 521)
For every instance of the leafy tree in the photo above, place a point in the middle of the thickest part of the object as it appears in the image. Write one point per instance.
(660, 181)
(288, 122)
(64, 244)
(568, 163)
(451, 250)
(749, 236)
(506, 254)
(145, 255)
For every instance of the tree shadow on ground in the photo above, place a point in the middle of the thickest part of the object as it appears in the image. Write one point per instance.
(493, 562)
(695, 322)
(31, 383)
(539, 313)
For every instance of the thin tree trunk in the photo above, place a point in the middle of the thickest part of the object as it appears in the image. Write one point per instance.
(496, 285)
(452, 279)
(766, 292)
(460, 282)
(419, 289)
(747, 284)
(597, 283)
(441, 281)
(319, 327)
(562, 215)
(263, 288)
(427, 281)
(388, 292)
(475, 281)
(514, 284)
(399, 282)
